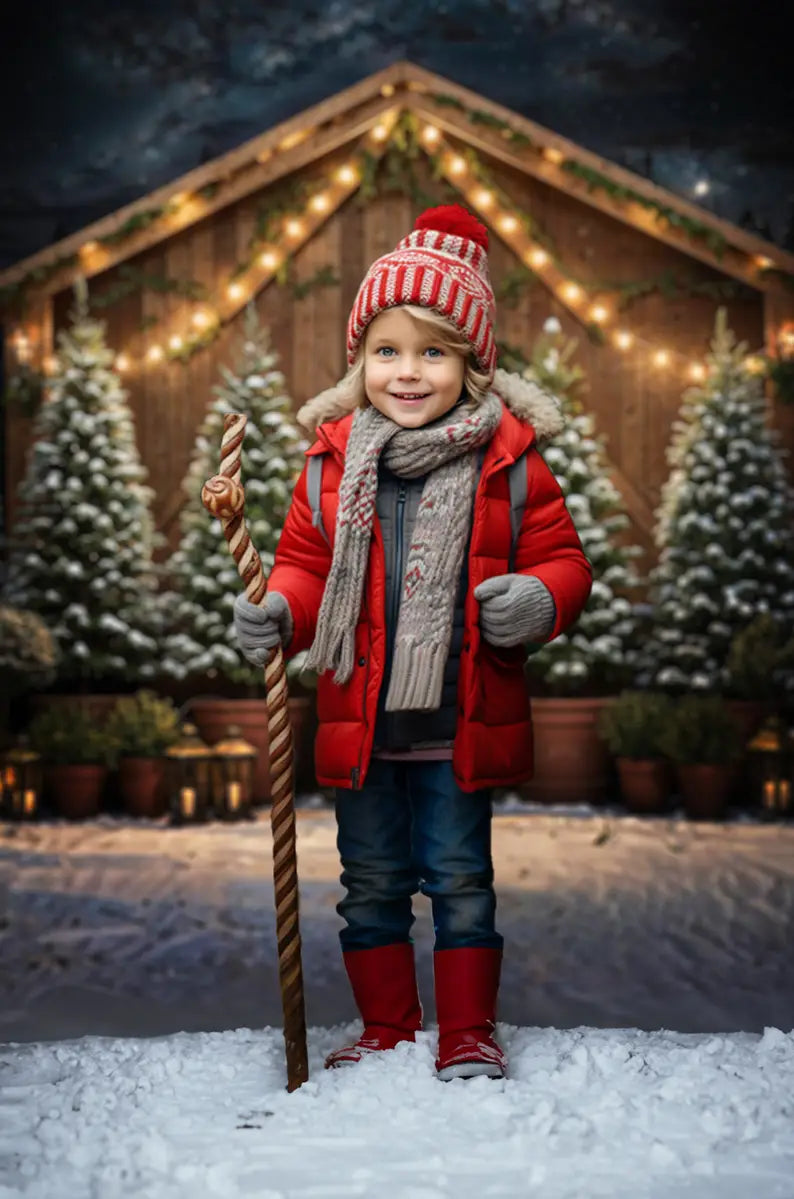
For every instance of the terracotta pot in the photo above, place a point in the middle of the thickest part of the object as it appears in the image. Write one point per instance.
(645, 783)
(213, 717)
(572, 763)
(705, 787)
(76, 789)
(141, 784)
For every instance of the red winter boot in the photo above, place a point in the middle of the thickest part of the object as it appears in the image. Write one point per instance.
(384, 988)
(467, 982)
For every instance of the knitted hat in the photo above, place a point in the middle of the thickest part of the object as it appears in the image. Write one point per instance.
(442, 265)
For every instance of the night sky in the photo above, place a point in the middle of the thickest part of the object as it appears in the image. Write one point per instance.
(104, 102)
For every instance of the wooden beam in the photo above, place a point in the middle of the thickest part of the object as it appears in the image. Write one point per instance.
(423, 85)
(734, 262)
(255, 175)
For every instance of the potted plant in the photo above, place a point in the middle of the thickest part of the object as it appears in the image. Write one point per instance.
(760, 671)
(704, 739)
(142, 727)
(633, 729)
(77, 753)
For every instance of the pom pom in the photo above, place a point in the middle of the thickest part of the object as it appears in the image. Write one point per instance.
(455, 219)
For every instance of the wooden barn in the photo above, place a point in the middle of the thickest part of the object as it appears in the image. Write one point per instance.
(293, 218)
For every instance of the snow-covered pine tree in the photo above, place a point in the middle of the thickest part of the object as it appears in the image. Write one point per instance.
(725, 528)
(80, 552)
(596, 655)
(202, 572)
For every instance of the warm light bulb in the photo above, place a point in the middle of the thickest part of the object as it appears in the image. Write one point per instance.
(122, 363)
(235, 291)
(269, 260)
(483, 198)
(89, 247)
(155, 353)
(697, 372)
(661, 358)
(552, 154)
(178, 200)
(320, 202)
(380, 133)
(572, 292)
(754, 364)
(456, 164)
(599, 314)
(538, 257)
(51, 364)
(430, 134)
(702, 187)
(508, 224)
(346, 175)
(175, 342)
(623, 340)
(387, 89)
(22, 346)
(293, 228)
(201, 319)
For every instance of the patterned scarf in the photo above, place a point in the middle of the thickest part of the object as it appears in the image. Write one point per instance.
(444, 451)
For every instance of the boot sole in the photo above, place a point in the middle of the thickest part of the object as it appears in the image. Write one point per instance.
(470, 1070)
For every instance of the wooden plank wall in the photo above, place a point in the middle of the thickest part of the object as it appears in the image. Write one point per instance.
(633, 402)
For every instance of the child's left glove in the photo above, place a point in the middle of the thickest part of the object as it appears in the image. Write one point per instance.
(515, 609)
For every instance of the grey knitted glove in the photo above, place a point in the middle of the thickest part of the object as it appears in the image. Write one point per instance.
(261, 627)
(515, 609)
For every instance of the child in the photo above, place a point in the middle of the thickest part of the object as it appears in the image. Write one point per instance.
(417, 616)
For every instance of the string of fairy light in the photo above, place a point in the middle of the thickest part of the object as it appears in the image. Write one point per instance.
(495, 208)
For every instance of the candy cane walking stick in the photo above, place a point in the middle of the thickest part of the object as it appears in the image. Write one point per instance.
(223, 496)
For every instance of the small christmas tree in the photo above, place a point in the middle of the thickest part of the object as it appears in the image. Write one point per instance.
(596, 654)
(725, 528)
(202, 571)
(80, 554)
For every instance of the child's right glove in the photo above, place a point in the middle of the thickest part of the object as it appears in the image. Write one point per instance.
(261, 627)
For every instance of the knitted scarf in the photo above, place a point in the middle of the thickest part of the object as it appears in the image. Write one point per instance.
(444, 451)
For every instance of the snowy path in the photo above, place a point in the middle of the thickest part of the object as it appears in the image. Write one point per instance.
(124, 931)
(587, 1113)
(120, 929)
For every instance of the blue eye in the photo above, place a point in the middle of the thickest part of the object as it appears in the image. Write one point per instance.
(385, 350)
(434, 351)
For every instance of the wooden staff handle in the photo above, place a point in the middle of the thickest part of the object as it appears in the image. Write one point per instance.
(223, 496)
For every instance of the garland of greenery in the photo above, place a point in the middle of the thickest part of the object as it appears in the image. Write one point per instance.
(131, 279)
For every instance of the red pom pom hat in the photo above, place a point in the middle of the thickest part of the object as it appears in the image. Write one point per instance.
(443, 265)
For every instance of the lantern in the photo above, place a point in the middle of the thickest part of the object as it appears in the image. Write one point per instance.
(189, 777)
(20, 793)
(771, 760)
(233, 776)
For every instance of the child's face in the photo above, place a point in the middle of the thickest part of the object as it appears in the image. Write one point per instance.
(408, 376)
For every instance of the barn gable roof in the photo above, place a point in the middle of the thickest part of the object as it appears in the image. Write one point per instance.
(367, 109)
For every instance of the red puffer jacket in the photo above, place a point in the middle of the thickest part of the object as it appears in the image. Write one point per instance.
(493, 743)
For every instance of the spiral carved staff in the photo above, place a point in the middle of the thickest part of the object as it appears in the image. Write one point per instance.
(223, 496)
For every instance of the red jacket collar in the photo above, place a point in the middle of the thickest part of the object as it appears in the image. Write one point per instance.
(511, 439)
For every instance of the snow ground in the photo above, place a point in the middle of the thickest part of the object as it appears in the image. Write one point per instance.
(154, 945)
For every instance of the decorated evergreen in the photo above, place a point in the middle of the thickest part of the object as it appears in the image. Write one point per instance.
(80, 554)
(596, 654)
(725, 529)
(202, 572)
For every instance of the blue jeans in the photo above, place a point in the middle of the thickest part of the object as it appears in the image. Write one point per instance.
(411, 828)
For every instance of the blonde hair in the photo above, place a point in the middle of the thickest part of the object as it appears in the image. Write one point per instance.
(476, 383)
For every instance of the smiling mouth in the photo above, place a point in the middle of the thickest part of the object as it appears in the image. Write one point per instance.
(410, 395)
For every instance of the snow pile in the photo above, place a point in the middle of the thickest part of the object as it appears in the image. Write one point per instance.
(620, 1114)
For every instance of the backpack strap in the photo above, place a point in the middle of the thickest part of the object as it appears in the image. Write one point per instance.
(314, 483)
(517, 478)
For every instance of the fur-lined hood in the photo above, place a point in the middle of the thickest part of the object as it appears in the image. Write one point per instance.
(529, 403)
